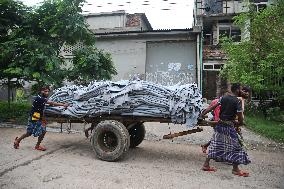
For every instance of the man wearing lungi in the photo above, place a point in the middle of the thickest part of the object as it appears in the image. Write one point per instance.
(225, 145)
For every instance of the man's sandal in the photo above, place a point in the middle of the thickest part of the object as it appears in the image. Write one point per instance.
(241, 173)
(40, 148)
(16, 143)
(209, 169)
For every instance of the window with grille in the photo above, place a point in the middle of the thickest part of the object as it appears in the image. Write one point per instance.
(68, 49)
(213, 66)
(230, 32)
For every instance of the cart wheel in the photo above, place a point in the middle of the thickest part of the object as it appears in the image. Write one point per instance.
(110, 140)
(137, 134)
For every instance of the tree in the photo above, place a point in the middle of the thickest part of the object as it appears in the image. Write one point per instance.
(60, 21)
(31, 49)
(30, 60)
(259, 60)
(13, 14)
(89, 64)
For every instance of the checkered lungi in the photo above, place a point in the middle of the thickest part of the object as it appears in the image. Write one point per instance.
(225, 146)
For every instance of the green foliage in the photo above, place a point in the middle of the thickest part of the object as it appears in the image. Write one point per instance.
(17, 113)
(23, 55)
(258, 60)
(276, 114)
(29, 59)
(59, 21)
(32, 39)
(268, 128)
(90, 64)
(270, 110)
(12, 15)
(21, 96)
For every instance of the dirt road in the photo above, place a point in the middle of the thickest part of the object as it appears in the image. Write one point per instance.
(70, 163)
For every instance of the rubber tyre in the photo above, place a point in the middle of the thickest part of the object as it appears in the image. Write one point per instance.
(110, 140)
(137, 134)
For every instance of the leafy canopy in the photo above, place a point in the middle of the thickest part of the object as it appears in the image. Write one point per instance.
(32, 39)
(258, 60)
(91, 64)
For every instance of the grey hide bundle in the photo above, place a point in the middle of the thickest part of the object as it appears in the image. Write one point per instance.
(181, 103)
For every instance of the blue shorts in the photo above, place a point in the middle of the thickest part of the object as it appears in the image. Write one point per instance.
(35, 128)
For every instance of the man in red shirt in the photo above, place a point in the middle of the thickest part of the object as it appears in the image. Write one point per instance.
(216, 113)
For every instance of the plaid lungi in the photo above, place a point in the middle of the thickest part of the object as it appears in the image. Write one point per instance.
(225, 146)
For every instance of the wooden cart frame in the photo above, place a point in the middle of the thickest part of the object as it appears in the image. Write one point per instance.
(113, 135)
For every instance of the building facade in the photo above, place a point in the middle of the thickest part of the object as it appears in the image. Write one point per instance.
(216, 19)
(166, 57)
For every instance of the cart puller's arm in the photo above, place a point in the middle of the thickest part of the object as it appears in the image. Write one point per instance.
(240, 115)
(57, 104)
(206, 111)
(209, 109)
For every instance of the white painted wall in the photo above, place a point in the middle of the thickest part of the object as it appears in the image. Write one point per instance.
(107, 21)
(129, 56)
(171, 62)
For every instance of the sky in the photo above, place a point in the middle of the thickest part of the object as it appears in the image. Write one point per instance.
(162, 14)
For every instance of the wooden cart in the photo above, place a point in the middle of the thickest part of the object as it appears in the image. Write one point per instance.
(114, 135)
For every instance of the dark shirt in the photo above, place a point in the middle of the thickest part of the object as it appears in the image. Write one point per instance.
(230, 106)
(38, 105)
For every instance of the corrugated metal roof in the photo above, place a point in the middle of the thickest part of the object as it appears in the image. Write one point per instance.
(150, 31)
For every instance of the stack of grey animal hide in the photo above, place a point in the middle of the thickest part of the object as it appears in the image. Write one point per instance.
(181, 103)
